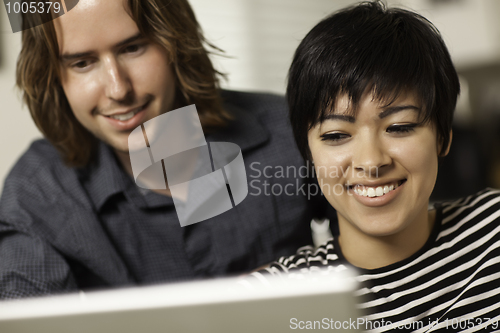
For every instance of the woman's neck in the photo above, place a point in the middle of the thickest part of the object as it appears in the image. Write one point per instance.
(371, 252)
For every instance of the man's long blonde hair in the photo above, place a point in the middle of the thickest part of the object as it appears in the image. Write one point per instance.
(170, 23)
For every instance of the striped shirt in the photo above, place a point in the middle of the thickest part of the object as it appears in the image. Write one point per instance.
(452, 284)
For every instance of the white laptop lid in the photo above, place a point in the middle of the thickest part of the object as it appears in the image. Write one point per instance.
(218, 306)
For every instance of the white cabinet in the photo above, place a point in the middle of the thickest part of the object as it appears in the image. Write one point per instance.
(260, 36)
(470, 28)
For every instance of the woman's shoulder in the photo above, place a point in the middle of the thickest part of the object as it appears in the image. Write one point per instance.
(483, 203)
(471, 218)
(307, 258)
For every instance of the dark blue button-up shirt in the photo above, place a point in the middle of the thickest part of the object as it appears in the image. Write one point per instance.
(64, 229)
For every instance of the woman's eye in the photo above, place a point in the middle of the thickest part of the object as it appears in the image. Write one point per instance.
(334, 137)
(401, 129)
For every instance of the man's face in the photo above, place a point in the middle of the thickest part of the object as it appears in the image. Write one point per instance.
(377, 168)
(113, 78)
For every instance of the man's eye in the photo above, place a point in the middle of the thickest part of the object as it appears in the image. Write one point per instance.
(401, 129)
(334, 137)
(132, 48)
(81, 64)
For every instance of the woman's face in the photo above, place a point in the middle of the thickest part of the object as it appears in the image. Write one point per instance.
(377, 168)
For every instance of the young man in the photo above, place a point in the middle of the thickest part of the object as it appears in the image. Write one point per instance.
(71, 216)
(374, 90)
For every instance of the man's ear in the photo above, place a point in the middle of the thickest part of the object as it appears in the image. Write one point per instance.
(449, 145)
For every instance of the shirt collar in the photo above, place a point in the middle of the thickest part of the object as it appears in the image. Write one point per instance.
(103, 178)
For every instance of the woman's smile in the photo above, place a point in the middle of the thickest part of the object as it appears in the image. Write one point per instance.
(381, 195)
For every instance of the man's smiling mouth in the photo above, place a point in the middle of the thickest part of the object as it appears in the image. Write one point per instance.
(128, 115)
(125, 116)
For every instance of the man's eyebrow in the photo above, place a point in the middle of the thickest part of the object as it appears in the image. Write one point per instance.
(130, 40)
(349, 119)
(72, 56)
(394, 109)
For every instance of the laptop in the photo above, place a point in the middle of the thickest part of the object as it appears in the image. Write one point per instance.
(252, 304)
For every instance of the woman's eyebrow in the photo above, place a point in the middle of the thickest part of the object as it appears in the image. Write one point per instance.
(394, 109)
(385, 113)
(349, 119)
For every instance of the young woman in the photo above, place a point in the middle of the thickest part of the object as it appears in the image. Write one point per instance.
(372, 93)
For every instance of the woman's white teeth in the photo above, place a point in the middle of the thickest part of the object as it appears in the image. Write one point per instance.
(125, 116)
(374, 192)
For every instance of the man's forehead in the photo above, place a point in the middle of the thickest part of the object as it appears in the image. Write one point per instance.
(94, 24)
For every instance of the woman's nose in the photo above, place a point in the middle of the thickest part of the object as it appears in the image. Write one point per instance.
(369, 156)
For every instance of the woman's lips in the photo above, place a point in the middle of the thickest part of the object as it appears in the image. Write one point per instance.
(376, 191)
(376, 196)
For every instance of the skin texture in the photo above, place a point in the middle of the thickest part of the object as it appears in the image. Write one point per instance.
(102, 74)
(366, 147)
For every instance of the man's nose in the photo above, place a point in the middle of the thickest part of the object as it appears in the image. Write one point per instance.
(370, 155)
(117, 80)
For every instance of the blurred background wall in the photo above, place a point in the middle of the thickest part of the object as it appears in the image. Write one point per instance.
(259, 38)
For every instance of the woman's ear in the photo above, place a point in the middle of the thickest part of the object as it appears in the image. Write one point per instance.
(449, 145)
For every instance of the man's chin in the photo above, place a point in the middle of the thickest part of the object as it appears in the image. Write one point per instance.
(120, 148)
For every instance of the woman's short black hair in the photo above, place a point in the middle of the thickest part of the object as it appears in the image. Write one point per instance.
(368, 46)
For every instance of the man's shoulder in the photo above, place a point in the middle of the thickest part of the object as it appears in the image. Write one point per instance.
(37, 174)
(246, 97)
(267, 109)
(32, 182)
(39, 157)
(256, 102)
(41, 150)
